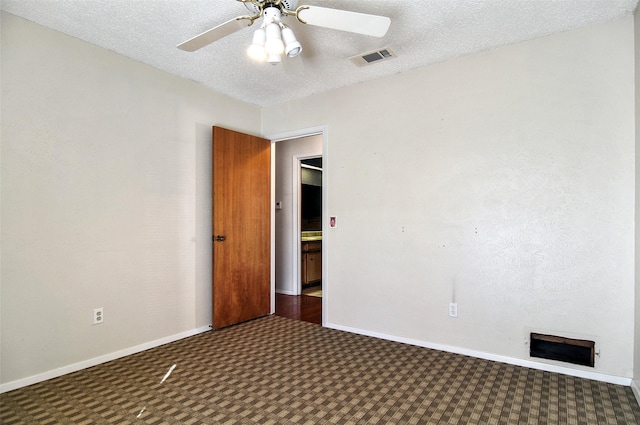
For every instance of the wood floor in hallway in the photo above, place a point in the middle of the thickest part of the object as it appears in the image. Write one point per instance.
(300, 307)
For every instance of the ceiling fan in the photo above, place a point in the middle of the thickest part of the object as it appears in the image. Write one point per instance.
(274, 38)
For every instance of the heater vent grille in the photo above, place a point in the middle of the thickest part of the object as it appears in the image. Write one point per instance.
(375, 56)
(576, 351)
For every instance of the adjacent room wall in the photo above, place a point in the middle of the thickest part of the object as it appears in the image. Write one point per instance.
(502, 181)
(286, 151)
(106, 200)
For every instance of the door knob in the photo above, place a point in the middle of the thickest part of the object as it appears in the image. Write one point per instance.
(220, 238)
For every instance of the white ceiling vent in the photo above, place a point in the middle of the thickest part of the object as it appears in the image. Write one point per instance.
(373, 57)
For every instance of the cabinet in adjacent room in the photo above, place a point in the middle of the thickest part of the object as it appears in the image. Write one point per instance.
(311, 262)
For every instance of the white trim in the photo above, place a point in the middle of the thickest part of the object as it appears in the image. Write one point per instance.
(296, 267)
(296, 217)
(635, 386)
(272, 224)
(618, 380)
(296, 134)
(285, 292)
(326, 235)
(13, 385)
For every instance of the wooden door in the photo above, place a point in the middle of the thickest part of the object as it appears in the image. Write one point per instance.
(241, 227)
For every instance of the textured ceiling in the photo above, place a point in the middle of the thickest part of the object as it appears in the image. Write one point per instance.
(422, 32)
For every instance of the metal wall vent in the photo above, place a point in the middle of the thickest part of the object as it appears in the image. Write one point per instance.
(373, 57)
(576, 351)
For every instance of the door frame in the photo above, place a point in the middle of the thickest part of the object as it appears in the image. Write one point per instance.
(296, 217)
(280, 137)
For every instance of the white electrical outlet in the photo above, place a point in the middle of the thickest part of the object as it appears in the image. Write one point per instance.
(98, 315)
(453, 309)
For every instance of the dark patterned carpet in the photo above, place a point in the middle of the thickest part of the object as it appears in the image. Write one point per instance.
(280, 371)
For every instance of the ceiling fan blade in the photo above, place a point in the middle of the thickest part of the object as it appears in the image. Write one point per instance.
(344, 20)
(216, 33)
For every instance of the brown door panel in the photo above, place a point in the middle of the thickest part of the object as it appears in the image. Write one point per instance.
(241, 227)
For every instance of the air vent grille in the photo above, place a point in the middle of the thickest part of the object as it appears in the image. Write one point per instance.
(373, 57)
(576, 351)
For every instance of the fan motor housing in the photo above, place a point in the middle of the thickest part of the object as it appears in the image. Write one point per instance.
(284, 4)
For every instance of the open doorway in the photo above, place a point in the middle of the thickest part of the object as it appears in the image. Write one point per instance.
(292, 155)
(311, 226)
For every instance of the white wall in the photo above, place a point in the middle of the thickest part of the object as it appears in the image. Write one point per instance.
(287, 275)
(503, 181)
(106, 200)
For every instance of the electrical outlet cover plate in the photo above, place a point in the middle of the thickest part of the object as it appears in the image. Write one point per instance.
(98, 316)
(453, 310)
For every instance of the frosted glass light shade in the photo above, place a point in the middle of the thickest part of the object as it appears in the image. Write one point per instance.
(274, 59)
(292, 45)
(256, 50)
(274, 44)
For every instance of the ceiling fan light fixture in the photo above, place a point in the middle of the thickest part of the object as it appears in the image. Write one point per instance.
(274, 38)
(273, 43)
(274, 59)
(292, 46)
(256, 50)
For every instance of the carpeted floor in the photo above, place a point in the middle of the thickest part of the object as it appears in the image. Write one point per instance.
(280, 371)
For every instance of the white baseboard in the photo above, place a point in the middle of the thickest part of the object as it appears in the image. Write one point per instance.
(635, 386)
(13, 385)
(284, 292)
(492, 357)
